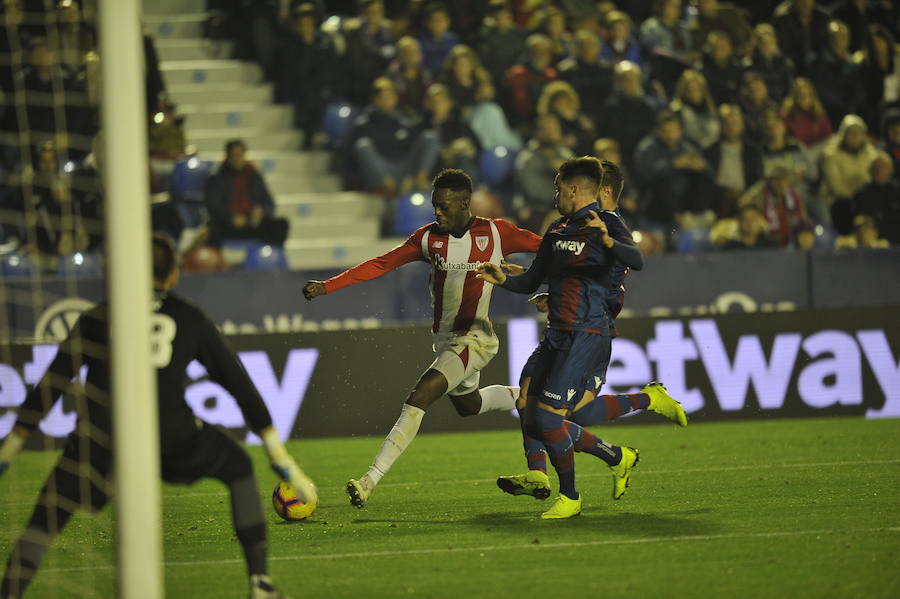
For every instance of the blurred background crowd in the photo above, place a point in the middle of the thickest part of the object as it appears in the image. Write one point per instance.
(745, 124)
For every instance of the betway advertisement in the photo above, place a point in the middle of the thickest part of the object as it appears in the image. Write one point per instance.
(797, 364)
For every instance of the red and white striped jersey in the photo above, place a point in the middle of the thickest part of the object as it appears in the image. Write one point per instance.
(460, 300)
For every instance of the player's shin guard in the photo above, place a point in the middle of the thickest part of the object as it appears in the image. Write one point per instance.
(404, 431)
(249, 523)
(585, 441)
(498, 398)
(535, 453)
(551, 430)
(609, 407)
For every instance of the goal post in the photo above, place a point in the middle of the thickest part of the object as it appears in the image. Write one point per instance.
(133, 381)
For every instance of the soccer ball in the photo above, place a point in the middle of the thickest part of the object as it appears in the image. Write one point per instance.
(288, 505)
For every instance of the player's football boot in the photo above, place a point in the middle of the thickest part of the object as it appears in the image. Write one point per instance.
(662, 403)
(261, 588)
(533, 482)
(563, 507)
(622, 471)
(359, 491)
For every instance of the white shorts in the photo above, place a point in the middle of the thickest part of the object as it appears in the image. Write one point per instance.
(460, 358)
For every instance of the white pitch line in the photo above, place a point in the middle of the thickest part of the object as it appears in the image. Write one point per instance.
(493, 548)
(641, 472)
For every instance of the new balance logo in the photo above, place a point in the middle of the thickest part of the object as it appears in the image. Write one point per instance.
(575, 247)
(437, 244)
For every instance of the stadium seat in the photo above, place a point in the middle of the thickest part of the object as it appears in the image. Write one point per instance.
(266, 257)
(80, 265)
(17, 266)
(495, 164)
(188, 183)
(693, 241)
(337, 122)
(413, 210)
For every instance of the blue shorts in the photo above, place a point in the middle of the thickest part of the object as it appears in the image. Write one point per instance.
(566, 364)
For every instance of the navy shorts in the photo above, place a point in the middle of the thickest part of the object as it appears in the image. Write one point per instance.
(566, 364)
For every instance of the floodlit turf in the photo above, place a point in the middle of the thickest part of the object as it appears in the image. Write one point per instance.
(786, 508)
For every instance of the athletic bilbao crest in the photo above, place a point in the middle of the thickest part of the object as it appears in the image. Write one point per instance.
(481, 242)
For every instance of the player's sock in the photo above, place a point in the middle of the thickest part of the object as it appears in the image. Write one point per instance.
(552, 431)
(609, 407)
(585, 441)
(249, 523)
(396, 442)
(535, 453)
(498, 397)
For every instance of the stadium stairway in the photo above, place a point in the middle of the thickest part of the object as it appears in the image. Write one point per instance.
(224, 99)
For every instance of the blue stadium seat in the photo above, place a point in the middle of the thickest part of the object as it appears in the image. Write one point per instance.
(266, 257)
(495, 164)
(80, 265)
(337, 122)
(188, 183)
(692, 241)
(413, 210)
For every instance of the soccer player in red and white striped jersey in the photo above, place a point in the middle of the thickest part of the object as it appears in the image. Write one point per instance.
(455, 244)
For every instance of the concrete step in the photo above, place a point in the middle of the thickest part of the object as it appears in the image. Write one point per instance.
(336, 206)
(193, 49)
(257, 140)
(165, 25)
(338, 252)
(164, 7)
(302, 227)
(238, 116)
(212, 93)
(283, 164)
(210, 72)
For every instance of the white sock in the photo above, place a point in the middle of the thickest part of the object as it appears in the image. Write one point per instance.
(498, 397)
(396, 442)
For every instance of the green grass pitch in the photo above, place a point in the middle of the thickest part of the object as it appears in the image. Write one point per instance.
(779, 508)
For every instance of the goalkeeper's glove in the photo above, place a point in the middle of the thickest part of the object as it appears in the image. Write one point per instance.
(11, 447)
(286, 468)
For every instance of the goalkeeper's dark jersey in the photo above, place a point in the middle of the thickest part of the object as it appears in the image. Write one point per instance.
(181, 333)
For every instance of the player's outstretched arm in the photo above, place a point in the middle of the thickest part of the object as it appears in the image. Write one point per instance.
(286, 468)
(313, 289)
(620, 245)
(491, 273)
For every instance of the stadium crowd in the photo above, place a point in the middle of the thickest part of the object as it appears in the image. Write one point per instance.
(739, 125)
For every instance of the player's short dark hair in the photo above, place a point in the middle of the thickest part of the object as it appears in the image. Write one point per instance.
(165, 257)
(454, 179)
(585, 167)
(612, 177)
(235, 143)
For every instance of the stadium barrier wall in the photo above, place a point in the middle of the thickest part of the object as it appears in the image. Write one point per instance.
(679, 285)
(798, 364)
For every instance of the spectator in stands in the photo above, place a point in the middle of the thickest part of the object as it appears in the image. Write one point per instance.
(489, 123)
(307, 71)
(525, 81)
(502, 41)
(76, 38)
(671, 173)
(553, 25)
(768, 61)
(666, 32)
(535, 169)
(629, 113)
(393, 150)
(804, 236)
(735, 160)
(864, 235)
(409, 75)
(782, 152)
(239, 203)
(621, 45)
(802, 29)
(606, 148)
(437, 41)
(166, 139)
(721, 68)
(846, 162)
(836, 76)
(804, 116)
(755, 103)
(880, 198)
(154, 84)
(466, 79)
(695, 107)
(459, 145)
(860, 14)
(713, 15)
(559, 98)
(752, 232)
(590, 75)
(370, 48)
(891, 137)
(880, 72)
(780, 204)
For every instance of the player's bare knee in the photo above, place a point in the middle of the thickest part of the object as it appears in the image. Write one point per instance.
(467, 405)
(430, 387)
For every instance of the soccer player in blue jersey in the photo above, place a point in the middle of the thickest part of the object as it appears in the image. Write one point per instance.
(578, 257)
(592, 408)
